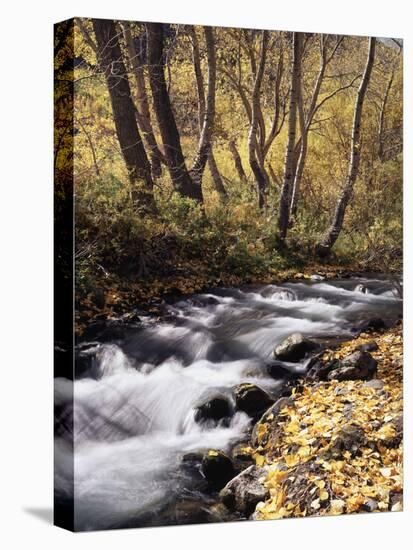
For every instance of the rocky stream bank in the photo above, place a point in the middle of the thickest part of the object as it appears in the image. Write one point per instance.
(332, 444)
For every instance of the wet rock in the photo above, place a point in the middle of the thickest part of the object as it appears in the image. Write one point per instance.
(108, 330)
(360, 365)
(269, 415)
(319, 371)
(242, 453)
(191, 463)
(376, 323)
(294, 348)
(317, 277)
(215, 410)
(252, 400)
(245, 491)
(361, 288)
(192, 458)
(86, 358)
(217, 468)
(277, 370)
(368, 346)
(349, 438)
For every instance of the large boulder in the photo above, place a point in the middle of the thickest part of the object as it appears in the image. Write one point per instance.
(252, 400)
(294, 348)
(245, 491)
(213, 411)
(360, 365)
(217, 468)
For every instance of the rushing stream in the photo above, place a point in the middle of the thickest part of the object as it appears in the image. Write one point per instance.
(134, 412)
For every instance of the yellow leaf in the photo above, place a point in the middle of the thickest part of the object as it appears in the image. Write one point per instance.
(291, 460)
(337, 507)
(259, 459)
(304, 451)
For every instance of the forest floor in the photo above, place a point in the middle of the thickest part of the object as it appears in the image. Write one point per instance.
(337, 448)
(113, 296)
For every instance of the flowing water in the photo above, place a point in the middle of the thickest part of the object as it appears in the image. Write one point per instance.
(134, 411)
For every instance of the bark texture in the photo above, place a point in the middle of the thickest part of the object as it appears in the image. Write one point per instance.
(112, 65)
(288, 179)
(142, 104)
(255, 161)
(180, 176)
(238, 162)
(206, 110)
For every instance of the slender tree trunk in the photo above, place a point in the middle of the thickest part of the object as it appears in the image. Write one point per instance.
(208, 108)
(304, 128)
(112, 65)
(142, 104)
(382, 117)
(180, 176)
(216, 176)
(238, 162)
(286, 190)
(334, 230)
(199, 79)
(299, 169)
(261, 179)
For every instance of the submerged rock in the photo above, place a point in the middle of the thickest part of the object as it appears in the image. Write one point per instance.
(217, 468)
(360, 365)
(252, 400)
(294, 348)
(245, 491)
(215, 410)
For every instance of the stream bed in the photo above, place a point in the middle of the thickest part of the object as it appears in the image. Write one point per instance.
(134, 412)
